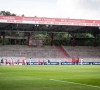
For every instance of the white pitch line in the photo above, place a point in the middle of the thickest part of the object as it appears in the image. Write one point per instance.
(75, 83)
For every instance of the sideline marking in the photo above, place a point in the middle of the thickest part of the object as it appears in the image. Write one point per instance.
(74, 83)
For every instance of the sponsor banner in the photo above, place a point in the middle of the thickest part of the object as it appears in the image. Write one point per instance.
(3, 21)
(67, 63)
(30, 22)
(84, 63)
(14, 21)
(34, 63)
(14, 63)
(53, 21)
(95, 63)
(53, 63)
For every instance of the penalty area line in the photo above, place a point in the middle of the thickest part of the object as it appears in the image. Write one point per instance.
(75, 83)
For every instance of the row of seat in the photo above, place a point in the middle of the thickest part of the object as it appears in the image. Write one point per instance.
(45, 52)
(88, 53)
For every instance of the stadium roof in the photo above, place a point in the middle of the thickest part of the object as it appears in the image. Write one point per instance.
(36, 24)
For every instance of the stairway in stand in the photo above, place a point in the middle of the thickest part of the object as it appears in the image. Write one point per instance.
(62, 51)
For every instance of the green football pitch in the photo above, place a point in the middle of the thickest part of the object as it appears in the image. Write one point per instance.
(51, 77)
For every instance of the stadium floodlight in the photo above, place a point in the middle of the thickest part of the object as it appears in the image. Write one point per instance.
(37, 25)
(47, 25)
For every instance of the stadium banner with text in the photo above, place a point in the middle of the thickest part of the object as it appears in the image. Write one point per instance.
(41, 63)
(83, 63)
(67, 63)
(53, 63)
(34, 63)
(95, 63)
(49, 21)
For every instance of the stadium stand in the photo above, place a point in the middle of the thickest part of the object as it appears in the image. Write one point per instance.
(52, 53)
(88, 53)
(45, 53)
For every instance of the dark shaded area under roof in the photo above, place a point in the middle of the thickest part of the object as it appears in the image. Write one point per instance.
(14, 27)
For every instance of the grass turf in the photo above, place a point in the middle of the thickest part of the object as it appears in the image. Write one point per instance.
(50, 77)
